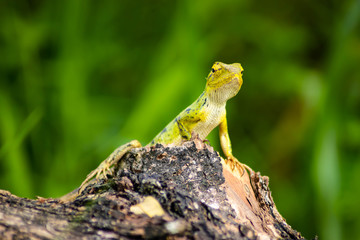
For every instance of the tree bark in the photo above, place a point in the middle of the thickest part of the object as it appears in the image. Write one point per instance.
(159, 192)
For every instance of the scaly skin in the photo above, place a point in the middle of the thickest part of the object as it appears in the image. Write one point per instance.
(207, 112)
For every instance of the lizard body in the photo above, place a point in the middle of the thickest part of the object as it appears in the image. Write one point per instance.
(201, 117)
(208, 111)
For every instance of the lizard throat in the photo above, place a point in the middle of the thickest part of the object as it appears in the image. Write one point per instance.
(220, 97)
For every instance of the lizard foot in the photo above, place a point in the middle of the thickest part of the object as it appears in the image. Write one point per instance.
(233, 163)
(105, 167)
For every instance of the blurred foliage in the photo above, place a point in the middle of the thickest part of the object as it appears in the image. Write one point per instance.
(78, 78)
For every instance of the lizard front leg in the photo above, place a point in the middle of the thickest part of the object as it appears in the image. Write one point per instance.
(109, 162)
(226, 147)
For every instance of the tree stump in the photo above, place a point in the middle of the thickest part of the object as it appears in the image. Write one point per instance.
(158, 192)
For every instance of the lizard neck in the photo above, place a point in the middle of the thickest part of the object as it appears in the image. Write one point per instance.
(216, 97)
(220, 94)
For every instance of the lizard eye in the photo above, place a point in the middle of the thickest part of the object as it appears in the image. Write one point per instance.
(215, 69)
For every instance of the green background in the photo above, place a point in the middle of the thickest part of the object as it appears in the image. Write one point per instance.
(79, 78)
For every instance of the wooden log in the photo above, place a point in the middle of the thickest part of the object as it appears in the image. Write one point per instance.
(171, 192)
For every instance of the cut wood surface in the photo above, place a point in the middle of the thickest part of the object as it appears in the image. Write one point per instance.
(182, 192)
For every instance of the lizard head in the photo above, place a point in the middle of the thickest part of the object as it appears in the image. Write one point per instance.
(224, 81)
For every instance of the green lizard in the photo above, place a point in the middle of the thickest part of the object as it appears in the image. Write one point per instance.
(207, 112)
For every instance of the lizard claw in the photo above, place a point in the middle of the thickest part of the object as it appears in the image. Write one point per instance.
(105, 167)
(235, 164)
(102, 170)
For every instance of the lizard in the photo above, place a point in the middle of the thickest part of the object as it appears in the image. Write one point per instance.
(201, 117)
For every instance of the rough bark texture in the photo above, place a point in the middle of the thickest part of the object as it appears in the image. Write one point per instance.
(184, 192)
